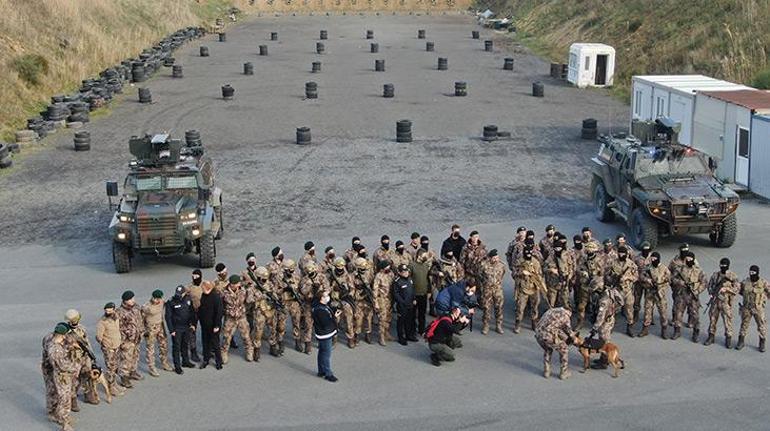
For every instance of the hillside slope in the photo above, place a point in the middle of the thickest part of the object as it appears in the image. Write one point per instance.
(728, 39)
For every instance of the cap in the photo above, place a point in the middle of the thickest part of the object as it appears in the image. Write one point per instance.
(414, 235)
(358, 247)
(550, 227)
(250, 255)
(157, 293)
(127, 295)
(109, 305)
(197, 272)
(339, 262)
(61, 328)
(309, 245)
(220, 267)
(403, 268)
(646, 244)
(474, 232)
(424, 238)
(234, 279)
(492, 253)
(607, 241)
(521, 229)
(275, 251)
(399, 243)
(384, 238)
(355, 240)
(586, 229)
(383, 264)
(620, 235)
(179, 290)
(328, 249)
(684, 246)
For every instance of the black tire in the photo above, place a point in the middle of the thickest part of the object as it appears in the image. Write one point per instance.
(208, 250)
(727, 233)
(601, 200)
(643, 228)
(82, 146)
(218, 213)
(121, 257)
(6, 163)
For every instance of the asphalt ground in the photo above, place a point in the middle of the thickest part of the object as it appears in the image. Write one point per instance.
(356, 181)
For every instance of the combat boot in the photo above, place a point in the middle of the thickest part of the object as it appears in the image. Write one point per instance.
(728, 341)
(484, 329)
(695, 335)
(116, 390)
(167, 367)
(740, 344)
(250, 355)
(256, 354)
(308, 347)
(645, 331)
(273, 350)
(126, 382)
(499, 329)
(517, 327)
(297, 346)
(762, 345)
(565, 374)
(54, 419)
(534, 323)
(91, 397)
(351, 343)
(381, 342)
(677, 333)
(546, 370)
(628, 330)
(368, 338)
(710, 340)
(280, 348)
(225, 356)
(435, 360)
(663, 329)
(74, 404)
(153, 372)
(136, 376)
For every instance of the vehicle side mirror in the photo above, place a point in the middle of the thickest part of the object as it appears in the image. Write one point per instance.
(712, 164)
(204, 194)
(112, 188)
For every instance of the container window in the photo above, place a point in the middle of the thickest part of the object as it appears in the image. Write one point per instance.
(743, 142)
(588, 63)
(638, 102)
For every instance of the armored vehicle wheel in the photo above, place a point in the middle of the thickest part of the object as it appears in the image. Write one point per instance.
(725, 236)
(643, 228)
(121, 257)
(208, 250)
(601, 199)
(218, 214)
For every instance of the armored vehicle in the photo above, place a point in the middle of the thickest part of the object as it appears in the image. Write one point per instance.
(170, 205)
(660, 187)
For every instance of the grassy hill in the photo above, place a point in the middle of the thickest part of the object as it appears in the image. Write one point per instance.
(728, 39)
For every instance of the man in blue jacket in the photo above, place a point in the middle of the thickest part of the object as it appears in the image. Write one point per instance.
(458, 295)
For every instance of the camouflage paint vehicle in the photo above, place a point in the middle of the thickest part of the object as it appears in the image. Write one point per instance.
(660, 187)
(170, 205)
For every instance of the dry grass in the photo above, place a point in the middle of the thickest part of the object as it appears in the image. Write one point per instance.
(728, 39)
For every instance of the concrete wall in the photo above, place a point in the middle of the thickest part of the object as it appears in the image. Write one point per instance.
(305, 6)
(759, 163)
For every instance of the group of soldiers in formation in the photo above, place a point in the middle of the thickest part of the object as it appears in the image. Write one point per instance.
(585, 281)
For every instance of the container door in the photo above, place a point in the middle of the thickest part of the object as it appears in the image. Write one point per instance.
(743, 150)
(600, 77)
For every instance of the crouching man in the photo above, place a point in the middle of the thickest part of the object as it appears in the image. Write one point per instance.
(442, 336)
(554, 332)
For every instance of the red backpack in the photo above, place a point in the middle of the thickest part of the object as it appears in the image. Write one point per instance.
(433, 325)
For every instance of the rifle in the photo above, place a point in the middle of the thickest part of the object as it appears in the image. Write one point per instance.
(288, 286)
(84, 347)
(368, 293)
(271, 298)
(658, 296)
(344, 290)
(689, 285)
(541, 289)
(715, 294)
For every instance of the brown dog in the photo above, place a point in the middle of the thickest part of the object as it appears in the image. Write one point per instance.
(98, 379)
(609, 351)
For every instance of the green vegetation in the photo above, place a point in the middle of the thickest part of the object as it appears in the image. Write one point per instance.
(762, 80)
(30, 67)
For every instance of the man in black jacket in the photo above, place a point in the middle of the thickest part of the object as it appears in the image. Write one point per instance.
(455, 242)
(403, 294)
(442, 338)
(325, 328)
(210, 315)
(180, 320)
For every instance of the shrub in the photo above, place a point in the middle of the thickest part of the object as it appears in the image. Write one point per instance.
(30, 67)
(762, 80)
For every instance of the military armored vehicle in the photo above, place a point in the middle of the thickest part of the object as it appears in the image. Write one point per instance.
(170, 205)
(661, 188)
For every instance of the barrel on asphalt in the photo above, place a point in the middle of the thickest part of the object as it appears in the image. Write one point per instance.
(138, 72)
(204, 51)
(248, 68)
(316, 67)
(262, 49)
(508, 63)
(273, 35)
(370, 34)
(303, 136)
(379, 65)
(311, 90)
(388, 91)
(176, 71)
(488, 45)
(555, 70)
(490, 133)
(420, 34)
(144, 95)
(168, 61)
(228, 92)
(475, 34)
(324, 35)
(82, 140)
(461, 89)
(403, 131)
(320, 48)
(443, 63)
(429, 46)
(374, 48)
(223, 37)
(192, 138)
(538, 89)
(589, 130)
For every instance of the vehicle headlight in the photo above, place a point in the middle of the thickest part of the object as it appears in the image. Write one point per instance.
(189, 215)
(196, 232)
(121, 236)
(126, 218)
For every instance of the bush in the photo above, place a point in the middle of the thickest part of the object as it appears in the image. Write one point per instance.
(30, 67)
(762, 80)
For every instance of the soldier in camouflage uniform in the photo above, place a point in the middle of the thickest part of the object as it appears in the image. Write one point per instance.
(687, 284)
(222, 278)
(59, 369)
(559, 271)
(754, 291)
(153, 316)
(722, 286)
(194, 291)
(608, 254)
(251, 305)
(591, 275)
(108, 337)
(308, 257)
(642, 260)
(361, 252)
(491, 275)
(577, 255)
(275, 267)
(610, 301)
(400, 256)
(310, 286)
(326, 266)
(131, 330)
(265, 313)
(363, 279)
(676, 265)
(384, 302)
(529, 287)
(75, 336)
(447, 271)
(620, 241)
(512, 253)
(554, 332)
(289, 286)
(623, 273)
(343, 292)
(234, 300)
(588, 237)
(384, 252)
(655, 279)
(546, 243)
(473, 253)
(352, 253)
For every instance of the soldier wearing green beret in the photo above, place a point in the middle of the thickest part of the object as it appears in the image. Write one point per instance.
(59, 370)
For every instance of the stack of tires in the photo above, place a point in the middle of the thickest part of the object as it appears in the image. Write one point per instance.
(228, 92)
(138, 72)
(404, 131)
(5, 156)
(589, 130)
(26, 137)
(82, 140)
(538, 89)
(79, 113)
(311, 90)
(192, 138)
(57, 113)
(144, 95)
(490, 133)
(303, 136)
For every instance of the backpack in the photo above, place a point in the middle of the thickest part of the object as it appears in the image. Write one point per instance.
(433, 325)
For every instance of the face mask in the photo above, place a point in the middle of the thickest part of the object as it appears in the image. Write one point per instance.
(385, 245)
(222, 276)
(724, 268)
(330, 256)
(528, 256)
(288, 272)
(197, 281)
(557, 251)
(262, 280)
(549, 234)
(591, 255)
(178, 295)
(252, 264)
(400, 250)
(424, 246)
(622, 257)
(645, 252)
(607, 248)
(578, 246)
(339, 271)
(655, 262)
(361, 270)
(362, 255)
(689, 263)
(279, 258)
(753, 276)
(311, 252)
(682, 253)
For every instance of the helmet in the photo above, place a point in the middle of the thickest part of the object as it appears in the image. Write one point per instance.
(311, 267)
(72, 316)
(339, 262)
(262, 272)
(289, 264)
(361, 263)
(591, 247)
